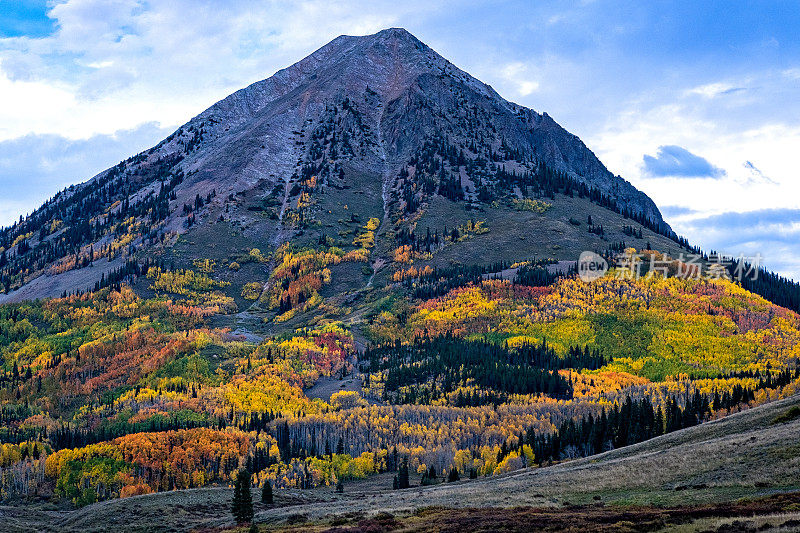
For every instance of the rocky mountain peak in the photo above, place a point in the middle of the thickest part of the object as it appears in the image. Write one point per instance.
(381, 124)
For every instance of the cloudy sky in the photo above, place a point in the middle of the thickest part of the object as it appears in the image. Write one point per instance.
(696, 103)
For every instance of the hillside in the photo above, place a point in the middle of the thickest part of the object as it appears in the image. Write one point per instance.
(379, 126)
(109, 395)
(746, 454)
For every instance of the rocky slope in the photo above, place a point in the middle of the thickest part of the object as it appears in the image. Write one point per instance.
(379, 125)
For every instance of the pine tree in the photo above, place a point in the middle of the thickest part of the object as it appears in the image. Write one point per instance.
(242, 506)
(237, 499)
(429, 477)
(659, 423)
(266, 493)
(453, 475)
(402, 475)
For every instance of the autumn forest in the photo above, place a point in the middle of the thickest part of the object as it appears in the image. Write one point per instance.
(109, 394)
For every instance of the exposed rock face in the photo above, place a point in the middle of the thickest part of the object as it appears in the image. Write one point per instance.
(404, 91)
(380, 118)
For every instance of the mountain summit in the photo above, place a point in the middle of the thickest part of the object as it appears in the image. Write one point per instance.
(405, 92)
(378, 127)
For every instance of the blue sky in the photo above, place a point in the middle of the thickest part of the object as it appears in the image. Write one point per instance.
(696, 103)
(25, 18)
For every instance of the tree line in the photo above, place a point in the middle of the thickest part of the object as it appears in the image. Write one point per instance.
(432, 367)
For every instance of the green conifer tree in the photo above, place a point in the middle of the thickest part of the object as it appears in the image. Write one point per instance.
(242, 505)
(266, 493)
(453, 475)
(402, 475)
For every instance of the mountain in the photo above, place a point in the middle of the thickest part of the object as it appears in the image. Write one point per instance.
(379, 126)
(357, 274)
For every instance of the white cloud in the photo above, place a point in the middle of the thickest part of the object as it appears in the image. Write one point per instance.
(100, 64)
(713, 90)
(792, 73)
(520, 77)
(23, 97)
